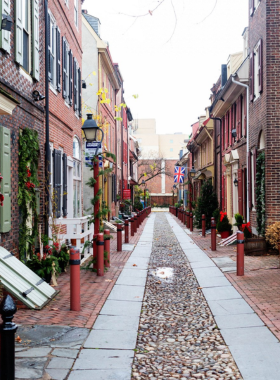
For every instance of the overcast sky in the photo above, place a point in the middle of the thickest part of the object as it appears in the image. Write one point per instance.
(171, 71)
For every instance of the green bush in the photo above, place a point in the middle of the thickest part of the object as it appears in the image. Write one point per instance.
(207, 203)
(224, 224)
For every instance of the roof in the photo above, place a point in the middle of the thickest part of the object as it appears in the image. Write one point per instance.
(93, 21)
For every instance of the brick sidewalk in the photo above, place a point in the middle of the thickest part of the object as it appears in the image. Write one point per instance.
(94, 292)
(259, 286)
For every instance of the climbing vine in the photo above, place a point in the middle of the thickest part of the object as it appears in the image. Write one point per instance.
(260, 193)
(28, 181)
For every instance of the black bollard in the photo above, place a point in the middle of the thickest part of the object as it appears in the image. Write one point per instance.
(7, 339)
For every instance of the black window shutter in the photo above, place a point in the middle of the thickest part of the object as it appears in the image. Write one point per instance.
(57, 183)
(64, 206)
(64, 62)
(49, 47)
(58, 61)
(80, 92)
(70, 78)
(75, 83)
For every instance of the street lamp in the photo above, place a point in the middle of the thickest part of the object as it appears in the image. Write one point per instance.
(6, 23)
(235, 182)
(94, 134)
(192, 172)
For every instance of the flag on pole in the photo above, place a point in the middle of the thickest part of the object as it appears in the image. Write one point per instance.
(179, 174)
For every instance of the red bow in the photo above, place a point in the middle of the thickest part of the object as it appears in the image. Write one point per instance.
(247, 225)
(223, 214)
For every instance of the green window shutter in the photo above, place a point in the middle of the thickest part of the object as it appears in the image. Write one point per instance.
(4, 34)
(35, 39)
(19, 32)
(5, 170)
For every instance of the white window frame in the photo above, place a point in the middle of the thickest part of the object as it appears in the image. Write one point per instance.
(53, 29)
(27, 2)
(76, 13)
(256, 71)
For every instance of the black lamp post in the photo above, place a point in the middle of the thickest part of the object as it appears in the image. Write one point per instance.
(94, 134)
(144, 184)
(192, 172)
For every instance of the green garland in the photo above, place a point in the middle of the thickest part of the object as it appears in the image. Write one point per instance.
(260, 193)
(27, 182)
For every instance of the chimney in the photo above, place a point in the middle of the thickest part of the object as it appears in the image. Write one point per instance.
(85, 11)
(223, 75)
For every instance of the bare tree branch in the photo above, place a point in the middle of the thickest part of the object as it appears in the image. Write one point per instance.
(208, 14)
(150, 12)
(175, 22)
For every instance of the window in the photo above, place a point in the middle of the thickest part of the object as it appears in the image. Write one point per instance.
(171, 141)
(67, 3)
(76, 178)
(67, 75)
(76, 84)
(171, 149)
(253, 6)
(52, 51)
(27, 36)
(76, 12)
(256, 71)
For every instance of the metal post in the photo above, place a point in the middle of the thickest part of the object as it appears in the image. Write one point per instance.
(119, 238)
(213, 234)
(203, 225)
(96, 208)
(75, 293)
(100, 255)
(126, 231)
(188, 219)
(132, 226)
(107, 261)
(7, 339)
(191, 221)
(240, 253)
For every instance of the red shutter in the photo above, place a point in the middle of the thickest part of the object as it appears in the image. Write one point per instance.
(240, 192)
(252, 7)
(245, 193)
(245, 114)
(223, 192)
(223, 133)
(249, 173)
(238, 121)
(251, 79)
(226, 131)
(230, 126)
(261, 66)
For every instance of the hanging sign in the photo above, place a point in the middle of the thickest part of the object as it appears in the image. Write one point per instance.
(127, 194)
(90, 149)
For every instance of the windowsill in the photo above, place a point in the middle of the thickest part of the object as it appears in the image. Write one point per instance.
(25, 74)
(77, 115)
(257, 97)
(67, 104)
(52, 88)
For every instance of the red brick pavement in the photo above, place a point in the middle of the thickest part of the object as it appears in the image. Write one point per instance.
(260, 284)
(94, 292)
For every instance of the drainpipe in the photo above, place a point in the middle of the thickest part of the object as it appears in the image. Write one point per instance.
(221, 177)
(247, 136)
(47, 147)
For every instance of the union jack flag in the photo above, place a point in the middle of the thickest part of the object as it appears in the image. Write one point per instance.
(179, 174)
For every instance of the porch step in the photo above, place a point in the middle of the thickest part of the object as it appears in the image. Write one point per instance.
(109, 226)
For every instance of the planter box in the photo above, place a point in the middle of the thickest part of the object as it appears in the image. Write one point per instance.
(255, 246)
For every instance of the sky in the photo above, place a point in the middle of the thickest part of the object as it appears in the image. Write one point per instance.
(170, 59)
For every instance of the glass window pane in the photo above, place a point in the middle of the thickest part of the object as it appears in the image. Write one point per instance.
(76, 148)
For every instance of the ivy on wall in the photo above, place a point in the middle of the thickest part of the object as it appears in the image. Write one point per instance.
(260, 193)
(27, 174)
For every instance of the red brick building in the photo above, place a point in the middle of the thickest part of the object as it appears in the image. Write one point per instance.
(22, 71)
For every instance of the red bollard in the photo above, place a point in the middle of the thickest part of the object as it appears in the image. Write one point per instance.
(213, 234)
(184, 217)
(75, 294)
(126, 231)
(119, 238)
(107, 249)
(240, 253)
(191, 221)
(100, 255)
(203, 225)
(132, 226)
(188, 219)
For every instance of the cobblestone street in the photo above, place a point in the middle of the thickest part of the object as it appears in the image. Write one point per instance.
(178, 337)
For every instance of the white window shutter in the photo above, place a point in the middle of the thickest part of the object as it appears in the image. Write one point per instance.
(35, 39)
(4, 34)
(19, 32)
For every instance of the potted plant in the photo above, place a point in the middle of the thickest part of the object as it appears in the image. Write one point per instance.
(253, 245)
(224, 226)
(62, 255)
(44, 267)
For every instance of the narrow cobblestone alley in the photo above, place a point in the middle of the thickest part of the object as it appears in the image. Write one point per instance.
(178, 337)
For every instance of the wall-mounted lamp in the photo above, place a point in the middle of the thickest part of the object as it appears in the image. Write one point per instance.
(235, 182)
(37, 96)
(6, 23)
(233, 133)
(192, 172)
(84, 85)
(13, 136)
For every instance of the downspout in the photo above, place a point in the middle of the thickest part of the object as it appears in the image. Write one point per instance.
(247, 137)
(47, 147)
(221, 177)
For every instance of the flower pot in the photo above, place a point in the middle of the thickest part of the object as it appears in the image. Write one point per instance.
(255, 246)
(224, 234)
